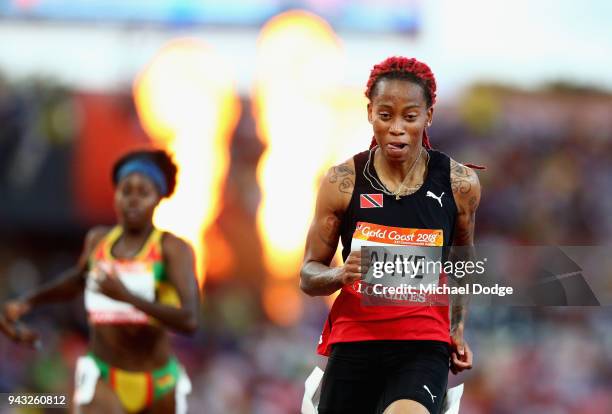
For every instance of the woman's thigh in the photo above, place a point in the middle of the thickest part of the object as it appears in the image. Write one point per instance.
(104, 401)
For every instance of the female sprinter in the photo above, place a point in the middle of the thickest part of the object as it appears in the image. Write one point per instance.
(139, 282)
(390, 359)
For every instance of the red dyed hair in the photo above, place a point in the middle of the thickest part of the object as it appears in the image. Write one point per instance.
(398, 67)
(409, 69)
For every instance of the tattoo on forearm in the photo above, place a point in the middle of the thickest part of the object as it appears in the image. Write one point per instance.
(458, 311)
(329, 231)
(344, 176)
(459, 303)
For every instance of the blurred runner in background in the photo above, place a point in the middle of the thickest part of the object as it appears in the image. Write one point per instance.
(139, 282)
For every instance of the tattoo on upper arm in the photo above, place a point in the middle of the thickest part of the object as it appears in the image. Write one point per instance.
(473, 203)
(464, 234)
(465, 229)
(460, 178)
(329, 230)
(463, 181)
(344, 176)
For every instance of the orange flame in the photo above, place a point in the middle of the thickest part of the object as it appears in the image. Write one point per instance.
(299, 67)
(187, 103)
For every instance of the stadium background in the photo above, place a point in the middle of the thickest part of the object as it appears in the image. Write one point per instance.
(256, 100)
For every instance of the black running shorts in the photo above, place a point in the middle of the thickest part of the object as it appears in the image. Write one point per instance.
(366, 377)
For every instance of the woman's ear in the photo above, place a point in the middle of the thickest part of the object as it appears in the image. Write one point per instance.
(430, 111)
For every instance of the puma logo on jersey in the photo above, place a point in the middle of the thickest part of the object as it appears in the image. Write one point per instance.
(438, 198)
(433, 397)
(371, 200)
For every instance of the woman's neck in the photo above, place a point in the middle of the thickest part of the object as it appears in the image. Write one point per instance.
(410, 172)
(131, 241)
(137, 233)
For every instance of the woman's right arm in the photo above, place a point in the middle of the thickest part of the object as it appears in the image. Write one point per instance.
(65, 287)
(317, 278)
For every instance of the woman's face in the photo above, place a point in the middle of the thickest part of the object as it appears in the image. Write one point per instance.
(398, 113)
(135, 200)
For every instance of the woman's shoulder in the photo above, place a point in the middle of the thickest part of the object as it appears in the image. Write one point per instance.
(95, 235)
(172, 243)
(439, 156)
(464, 180)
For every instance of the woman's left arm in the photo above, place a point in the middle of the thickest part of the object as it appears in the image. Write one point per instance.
(466, 192)
(180, 268)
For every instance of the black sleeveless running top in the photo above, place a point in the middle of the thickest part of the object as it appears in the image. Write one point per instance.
(426, 218)
(431, 207)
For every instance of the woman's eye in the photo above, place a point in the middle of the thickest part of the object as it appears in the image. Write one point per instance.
(384, 115)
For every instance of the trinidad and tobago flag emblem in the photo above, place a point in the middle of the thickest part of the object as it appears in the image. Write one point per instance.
(371, 200)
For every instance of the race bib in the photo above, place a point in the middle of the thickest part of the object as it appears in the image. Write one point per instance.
(367, 234)
(400, 261)
(136, 277)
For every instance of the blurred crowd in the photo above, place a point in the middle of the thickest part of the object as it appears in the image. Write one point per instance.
(548, 155)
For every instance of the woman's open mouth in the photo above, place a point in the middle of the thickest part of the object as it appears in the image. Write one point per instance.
(396, 148)
(397, 145)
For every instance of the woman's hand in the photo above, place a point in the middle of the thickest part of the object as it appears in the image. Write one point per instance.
(461, 354)
(10, 326)
(352, 270)
(110, 285)
(13, 310)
